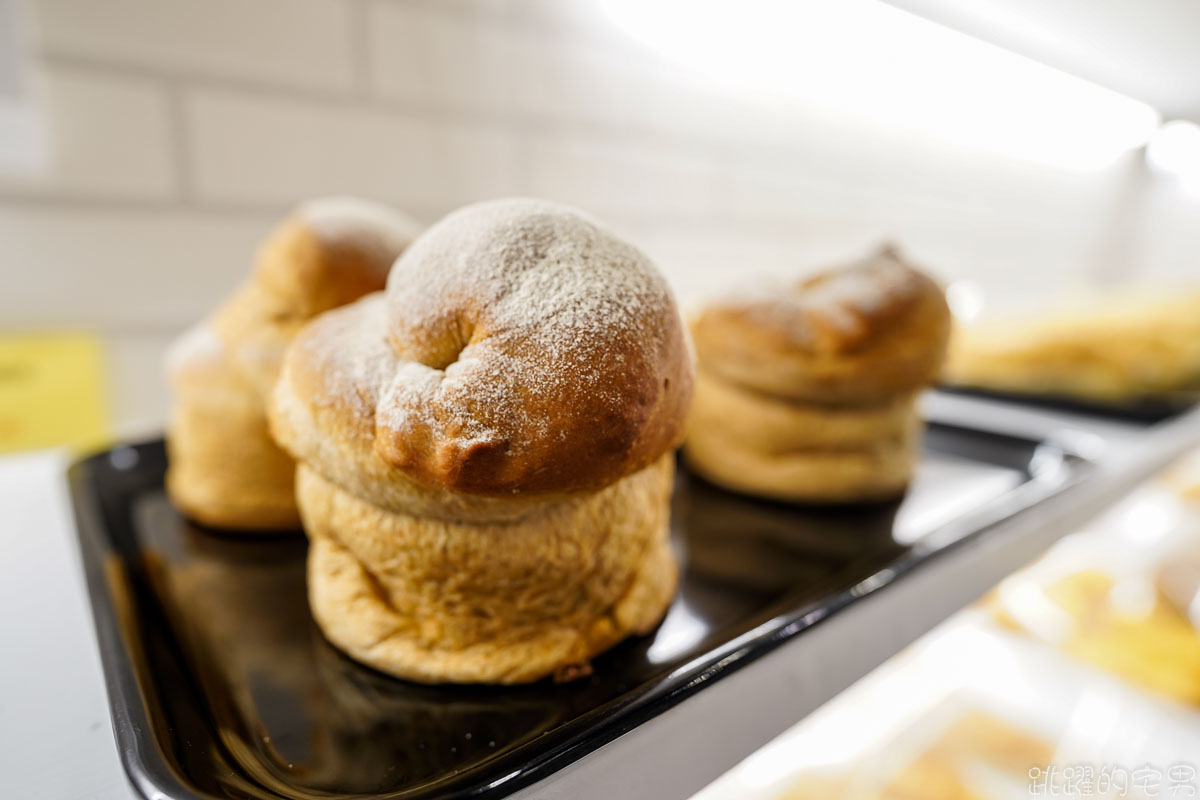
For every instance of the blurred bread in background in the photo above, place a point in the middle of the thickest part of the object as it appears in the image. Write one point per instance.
(805, 391)
(1150, 643)
(945, 770)
(1119, 348)
(225, 470)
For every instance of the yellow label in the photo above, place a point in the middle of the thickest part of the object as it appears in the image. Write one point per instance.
(52, 392)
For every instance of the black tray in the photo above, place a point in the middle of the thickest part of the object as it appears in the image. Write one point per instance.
(1147, 409)
(221, 687)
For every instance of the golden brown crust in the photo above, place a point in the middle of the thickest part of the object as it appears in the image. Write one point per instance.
(515, 336)
(809, 395)
(323, 412)
(331, 252)
(225, 470)
(857, 334)
(437, 601)
(485, 450)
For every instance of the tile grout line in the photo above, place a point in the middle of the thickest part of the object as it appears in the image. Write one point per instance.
(512, 121)
(662, 221)
(360, 49)
(181, 142)
(10, 198)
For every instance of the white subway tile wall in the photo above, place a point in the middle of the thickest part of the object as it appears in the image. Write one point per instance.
(111, 138)
(303, 43)
(120, 269)
(251, 150)
(616, 179)
(182, 130)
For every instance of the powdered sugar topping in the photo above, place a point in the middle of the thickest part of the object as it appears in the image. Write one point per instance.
(841, 301)
(520, 301)
(198, 345)
(334, 218)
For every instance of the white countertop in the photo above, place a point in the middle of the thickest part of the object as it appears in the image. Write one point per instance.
(56, 740)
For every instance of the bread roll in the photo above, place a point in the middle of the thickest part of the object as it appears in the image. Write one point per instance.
(807, 393)
(225, 471)
(485, 449)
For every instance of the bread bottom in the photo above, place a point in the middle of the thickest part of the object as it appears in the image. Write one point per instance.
(506, 602)
(771, 447)
(224, 469)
